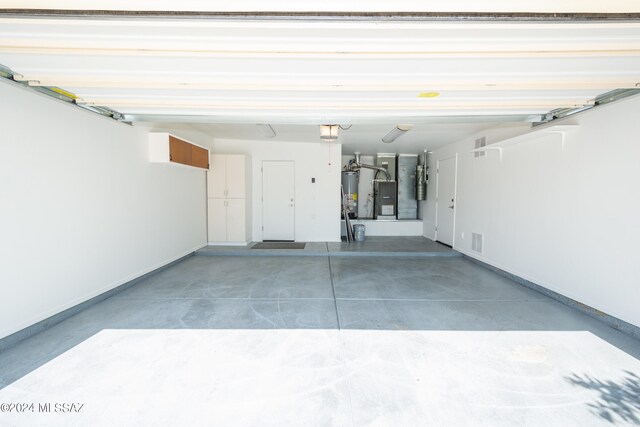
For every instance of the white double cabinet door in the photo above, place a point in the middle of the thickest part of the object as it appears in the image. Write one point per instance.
(226, 187)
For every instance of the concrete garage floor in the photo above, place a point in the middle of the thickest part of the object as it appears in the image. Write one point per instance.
(376, 246)
(219, 340)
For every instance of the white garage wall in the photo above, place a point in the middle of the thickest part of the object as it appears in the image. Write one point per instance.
(568, 220)
(317, 217)
(83, 210)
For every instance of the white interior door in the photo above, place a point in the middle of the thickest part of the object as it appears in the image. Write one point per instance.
(278, 201)
(446, 201)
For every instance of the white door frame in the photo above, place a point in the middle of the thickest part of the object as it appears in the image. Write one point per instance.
(455, 194)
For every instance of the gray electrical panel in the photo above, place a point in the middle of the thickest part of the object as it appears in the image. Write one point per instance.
(407, 204)
(387, 161)
(384, 199)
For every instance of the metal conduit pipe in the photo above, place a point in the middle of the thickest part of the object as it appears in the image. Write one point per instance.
(354, 166)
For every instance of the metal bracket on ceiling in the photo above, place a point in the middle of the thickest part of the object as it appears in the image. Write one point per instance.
(602, 99)
(58, 93)
(103, 111)
(6, 73)
(615, 95)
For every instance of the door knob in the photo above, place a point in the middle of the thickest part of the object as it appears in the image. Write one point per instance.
(451, 207)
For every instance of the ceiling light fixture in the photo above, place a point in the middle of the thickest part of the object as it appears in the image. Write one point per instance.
(266, 130)
(329, 132)
(396, 132)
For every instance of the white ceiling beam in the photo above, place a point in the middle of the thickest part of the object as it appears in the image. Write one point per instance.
(342, 89)
(415, 90)
(316, 119)
(314, 105)
(293, 69)
(321, 37)
(397, 79)
(585, 52)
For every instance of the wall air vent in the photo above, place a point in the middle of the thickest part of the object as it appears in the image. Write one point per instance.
(476, 242)
(480, 142)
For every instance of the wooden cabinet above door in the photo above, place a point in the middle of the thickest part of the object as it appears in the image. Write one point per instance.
(167, 148)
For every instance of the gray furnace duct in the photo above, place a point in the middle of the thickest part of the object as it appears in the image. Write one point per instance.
(421, 185)
(407, 204)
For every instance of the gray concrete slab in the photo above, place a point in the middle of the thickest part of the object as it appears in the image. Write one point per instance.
(231, 341)
(430, 279)
(237, 277)
(310, 249)
(390, 244)
(401, 246)
(543, 315)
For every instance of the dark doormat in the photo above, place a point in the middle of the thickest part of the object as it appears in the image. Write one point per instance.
(278, 245)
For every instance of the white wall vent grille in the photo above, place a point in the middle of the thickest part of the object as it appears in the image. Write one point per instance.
(476, 242)
(480, 142)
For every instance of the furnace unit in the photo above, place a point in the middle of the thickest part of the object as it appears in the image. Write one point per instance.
(384, 199)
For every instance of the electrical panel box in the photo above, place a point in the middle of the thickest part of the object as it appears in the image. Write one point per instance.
(387, 161)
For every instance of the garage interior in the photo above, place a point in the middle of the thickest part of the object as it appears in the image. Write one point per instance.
(372, 215)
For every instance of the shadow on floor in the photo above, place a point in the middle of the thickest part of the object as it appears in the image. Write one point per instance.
(618, 401)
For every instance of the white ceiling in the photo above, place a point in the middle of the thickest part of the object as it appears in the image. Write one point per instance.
(362, 138)
(223, 76)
